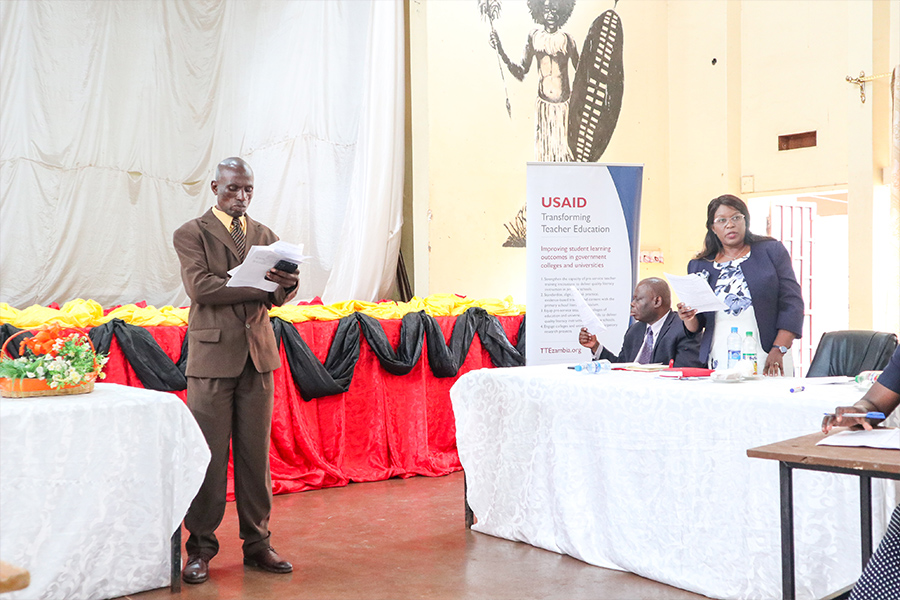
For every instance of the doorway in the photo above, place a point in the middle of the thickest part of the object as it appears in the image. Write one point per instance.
(813, 228)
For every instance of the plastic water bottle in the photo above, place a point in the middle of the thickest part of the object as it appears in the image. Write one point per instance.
(865, 380)
(748, 353)
(734, 348)
(869, 377)
(595, 366)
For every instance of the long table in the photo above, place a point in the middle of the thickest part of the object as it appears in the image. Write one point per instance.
(629, 471)
(92, 488)
(383, 426)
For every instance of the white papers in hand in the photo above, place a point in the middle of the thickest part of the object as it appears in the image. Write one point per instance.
(695, 292)
(252, 272)
(589, 319)
(879, 437)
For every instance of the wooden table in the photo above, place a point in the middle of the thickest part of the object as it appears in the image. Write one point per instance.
(803, 453)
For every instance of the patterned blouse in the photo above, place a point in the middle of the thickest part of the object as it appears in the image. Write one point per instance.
(731, 287)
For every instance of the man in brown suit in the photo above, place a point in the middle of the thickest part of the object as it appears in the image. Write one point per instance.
(231, 356)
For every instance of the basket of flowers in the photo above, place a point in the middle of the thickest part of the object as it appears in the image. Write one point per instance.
(55, 361)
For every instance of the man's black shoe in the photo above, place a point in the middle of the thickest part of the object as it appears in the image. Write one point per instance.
(268, 560)
(196, 570)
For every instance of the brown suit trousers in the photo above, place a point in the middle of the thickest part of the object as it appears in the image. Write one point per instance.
(239, 410)
(231, 356)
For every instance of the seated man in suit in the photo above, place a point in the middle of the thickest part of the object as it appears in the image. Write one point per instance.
(657, 335)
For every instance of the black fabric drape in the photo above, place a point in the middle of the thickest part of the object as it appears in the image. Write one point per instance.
(520, 342)
(313, 379)
(494, 340)
(182, 360)
(150, 363)
(445, 359)
(6, 332)
(409, 349)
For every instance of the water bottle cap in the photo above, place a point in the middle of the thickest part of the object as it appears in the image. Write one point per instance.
(734, 330)
(749, 334)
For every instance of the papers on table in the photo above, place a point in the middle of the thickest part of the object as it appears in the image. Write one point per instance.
(880, 437)
(695, 292)
(635, 366)
(589, 319)
(727, 375)
(252, 272)
(832, 380)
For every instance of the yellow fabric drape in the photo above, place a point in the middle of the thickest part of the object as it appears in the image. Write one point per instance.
(88, 313)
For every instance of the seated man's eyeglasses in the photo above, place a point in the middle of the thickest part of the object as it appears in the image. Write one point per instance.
(734, 219)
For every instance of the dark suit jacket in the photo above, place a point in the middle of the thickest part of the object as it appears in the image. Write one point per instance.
(774, 291)
(225, 324)
(673, 343)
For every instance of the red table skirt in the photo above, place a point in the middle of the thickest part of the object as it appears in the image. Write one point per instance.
(384, 426)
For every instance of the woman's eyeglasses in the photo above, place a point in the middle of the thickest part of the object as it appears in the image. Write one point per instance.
(734, 219)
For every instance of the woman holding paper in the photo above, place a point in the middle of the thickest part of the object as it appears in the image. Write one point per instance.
(754, 277)
(881, 577)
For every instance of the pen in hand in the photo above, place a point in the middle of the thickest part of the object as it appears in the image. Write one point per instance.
(868, 415)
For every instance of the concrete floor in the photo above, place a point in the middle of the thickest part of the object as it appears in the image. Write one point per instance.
(401, 539)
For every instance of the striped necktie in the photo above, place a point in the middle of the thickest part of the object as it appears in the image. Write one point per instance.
(647, 349)
(237, 234)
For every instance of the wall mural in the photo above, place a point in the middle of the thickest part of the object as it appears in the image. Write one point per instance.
(572, 122)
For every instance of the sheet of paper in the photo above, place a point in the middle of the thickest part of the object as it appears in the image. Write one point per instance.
(880, 437)
(635, 366)
(695, 292)
(588, 317)
(832, 380)
(252, 272)
(650, 367)
(288, 251)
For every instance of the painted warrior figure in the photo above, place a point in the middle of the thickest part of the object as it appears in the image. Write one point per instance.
(553, 49)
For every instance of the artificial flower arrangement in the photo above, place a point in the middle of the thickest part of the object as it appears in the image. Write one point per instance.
(55, 361)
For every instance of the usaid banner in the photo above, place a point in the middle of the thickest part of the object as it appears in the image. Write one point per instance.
(582, 231)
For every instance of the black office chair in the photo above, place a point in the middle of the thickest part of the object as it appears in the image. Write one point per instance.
(851, 352)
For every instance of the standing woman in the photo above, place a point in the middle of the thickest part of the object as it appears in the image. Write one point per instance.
(754, 277)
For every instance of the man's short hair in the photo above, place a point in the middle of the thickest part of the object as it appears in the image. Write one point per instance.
(659, 288)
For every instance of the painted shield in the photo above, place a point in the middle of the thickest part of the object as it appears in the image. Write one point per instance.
(597, 89)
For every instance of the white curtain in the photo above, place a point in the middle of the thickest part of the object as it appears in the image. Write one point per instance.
(113, 116)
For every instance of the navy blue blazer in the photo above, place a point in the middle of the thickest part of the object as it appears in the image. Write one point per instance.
(673, 343)
(774, 292)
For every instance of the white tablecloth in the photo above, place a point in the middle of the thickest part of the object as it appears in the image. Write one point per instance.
(629, 471)
(93, 486)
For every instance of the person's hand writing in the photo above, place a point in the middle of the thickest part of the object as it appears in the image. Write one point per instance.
(587, 339)
(838, 420)
(774, 366)
(688, 316)
(282, 278)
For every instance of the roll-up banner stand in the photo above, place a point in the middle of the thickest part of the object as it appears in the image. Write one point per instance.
(582, 232)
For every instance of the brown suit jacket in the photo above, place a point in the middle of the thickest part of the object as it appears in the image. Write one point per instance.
(225, 324)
